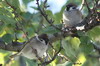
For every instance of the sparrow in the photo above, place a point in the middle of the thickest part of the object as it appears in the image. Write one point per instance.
(37, 46)
(71, 15)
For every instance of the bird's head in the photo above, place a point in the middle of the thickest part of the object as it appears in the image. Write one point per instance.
(71, 6)
(43, 38)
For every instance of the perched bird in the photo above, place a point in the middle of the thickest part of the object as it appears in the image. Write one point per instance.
(71, 15)
(36, 46)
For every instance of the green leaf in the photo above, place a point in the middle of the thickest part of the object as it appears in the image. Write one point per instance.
(30, 62)
(86, 48)
(75, 42)
(36, 17)
(26, 15)
(69, 51)
(58, 17)
(26, 1)
(94, 34)
(7, 38)
(49, 13)
(1, 58)
(30, 31)
(80, 33)
(7, 20)
(49, 30)
(84, 39)
(14, 3)
(67, 63)
(5, 12)
(2, 25)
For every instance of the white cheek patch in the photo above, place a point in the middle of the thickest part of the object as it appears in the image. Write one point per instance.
(71, 9)
(43, 41)
(37, 37)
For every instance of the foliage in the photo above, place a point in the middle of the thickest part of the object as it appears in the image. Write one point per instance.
(15, 22)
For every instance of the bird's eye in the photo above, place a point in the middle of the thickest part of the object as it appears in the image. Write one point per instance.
(74, 7)
(41, 39)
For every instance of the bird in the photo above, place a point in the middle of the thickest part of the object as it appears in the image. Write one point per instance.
(71, 15)
(37, 45)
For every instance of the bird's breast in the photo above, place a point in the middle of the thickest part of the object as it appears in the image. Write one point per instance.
(71, 18)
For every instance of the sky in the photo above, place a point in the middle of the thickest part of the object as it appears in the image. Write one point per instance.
(55, 5)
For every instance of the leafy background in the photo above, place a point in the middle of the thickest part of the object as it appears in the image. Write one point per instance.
(77, 50)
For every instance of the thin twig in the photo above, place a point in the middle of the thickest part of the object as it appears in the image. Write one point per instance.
(46, 16)
(47, 62)
(89, 10)
(94, 56)
(10, 5)
(45, 3)
(63, 56)
(83, 3)
(40, 26)
(16, 14)
(56, 36)
(22, 28)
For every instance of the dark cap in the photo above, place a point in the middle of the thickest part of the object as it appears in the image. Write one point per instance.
(70, 5)
(44, 37)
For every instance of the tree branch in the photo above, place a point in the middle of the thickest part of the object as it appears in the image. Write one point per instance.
(47, 62)
(82, 4)
(46, 16)
(90, 21)
(89, 10)
(14, 46)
